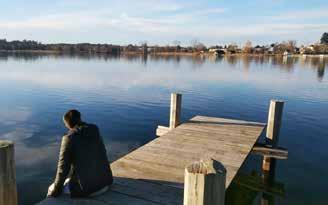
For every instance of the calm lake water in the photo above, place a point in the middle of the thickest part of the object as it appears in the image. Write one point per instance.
(129, 96)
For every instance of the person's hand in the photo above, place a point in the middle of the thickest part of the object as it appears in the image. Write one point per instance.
(52, 192)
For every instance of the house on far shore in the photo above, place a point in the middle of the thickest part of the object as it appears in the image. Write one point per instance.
(216, 51)
(307, 50)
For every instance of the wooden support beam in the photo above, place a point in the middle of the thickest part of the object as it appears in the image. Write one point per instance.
(162, 130)
(8, 190)
(175, 110)
(268, 151)
(204, 183)
(273, 129)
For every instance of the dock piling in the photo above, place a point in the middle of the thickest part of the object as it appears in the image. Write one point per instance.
(8, 190)
(273, 129)
(274, 121)
(175, 110)
(204, 183)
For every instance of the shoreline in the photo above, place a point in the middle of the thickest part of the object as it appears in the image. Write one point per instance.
(193, 54)
(31, 51)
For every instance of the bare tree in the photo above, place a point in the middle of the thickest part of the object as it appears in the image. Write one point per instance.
(177, 43)
(232, 48)
(197, 46)
(248, 47)
(291, 45)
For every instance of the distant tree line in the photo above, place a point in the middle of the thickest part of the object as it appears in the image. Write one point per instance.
(61, 47)
(21, 45)
(285, 47)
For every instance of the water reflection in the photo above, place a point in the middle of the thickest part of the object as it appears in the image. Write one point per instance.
(286, 63)
(202, 64)
(321, 70)
(255, 188)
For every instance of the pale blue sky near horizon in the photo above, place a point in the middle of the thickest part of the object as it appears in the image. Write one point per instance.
(164, 21)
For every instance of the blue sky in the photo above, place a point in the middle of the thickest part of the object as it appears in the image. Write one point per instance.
(164, 21)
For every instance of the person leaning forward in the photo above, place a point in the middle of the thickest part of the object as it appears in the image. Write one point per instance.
(83, 168)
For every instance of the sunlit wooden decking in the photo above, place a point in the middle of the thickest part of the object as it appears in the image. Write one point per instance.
(154, 173)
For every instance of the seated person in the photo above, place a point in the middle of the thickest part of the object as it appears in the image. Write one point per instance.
(83, 168)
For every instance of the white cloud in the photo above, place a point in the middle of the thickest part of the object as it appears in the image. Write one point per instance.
(266, 29)
(110, 18)
(212, 11)
(302, 14)
(108, 76)
(60, 20)
(130, 6)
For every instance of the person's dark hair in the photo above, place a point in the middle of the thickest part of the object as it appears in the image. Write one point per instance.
(72, 118)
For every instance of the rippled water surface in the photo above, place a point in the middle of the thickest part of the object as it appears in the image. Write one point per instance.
(128, 97)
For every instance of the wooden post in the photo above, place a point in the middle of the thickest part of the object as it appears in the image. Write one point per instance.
(8, 191)
(273, 129)
(175, 110)
(204, 183)
(274, 121)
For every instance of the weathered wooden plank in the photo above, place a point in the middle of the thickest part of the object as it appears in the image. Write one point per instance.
(109, 198)
(233, 131)
(171, 163)
(167, 154)
(149, 191)
(190, 143)
(127, 191)
(218, 137)
(269, 151)
(208, 119)
(191, 139)
(141, 169)
(185, 155)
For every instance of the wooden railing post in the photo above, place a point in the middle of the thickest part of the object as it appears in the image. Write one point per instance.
(8, 190)
(273, 129)
(204, 183)
(175, 113)
(175, 110)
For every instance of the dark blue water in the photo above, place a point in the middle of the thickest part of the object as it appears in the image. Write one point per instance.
(128, 97)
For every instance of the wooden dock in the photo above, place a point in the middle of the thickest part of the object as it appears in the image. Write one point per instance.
(164, 159)
(170, 169)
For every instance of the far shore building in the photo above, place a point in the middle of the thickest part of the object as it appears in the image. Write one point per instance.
(216, 51)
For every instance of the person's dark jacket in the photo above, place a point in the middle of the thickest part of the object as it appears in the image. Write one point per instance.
(83, 159)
